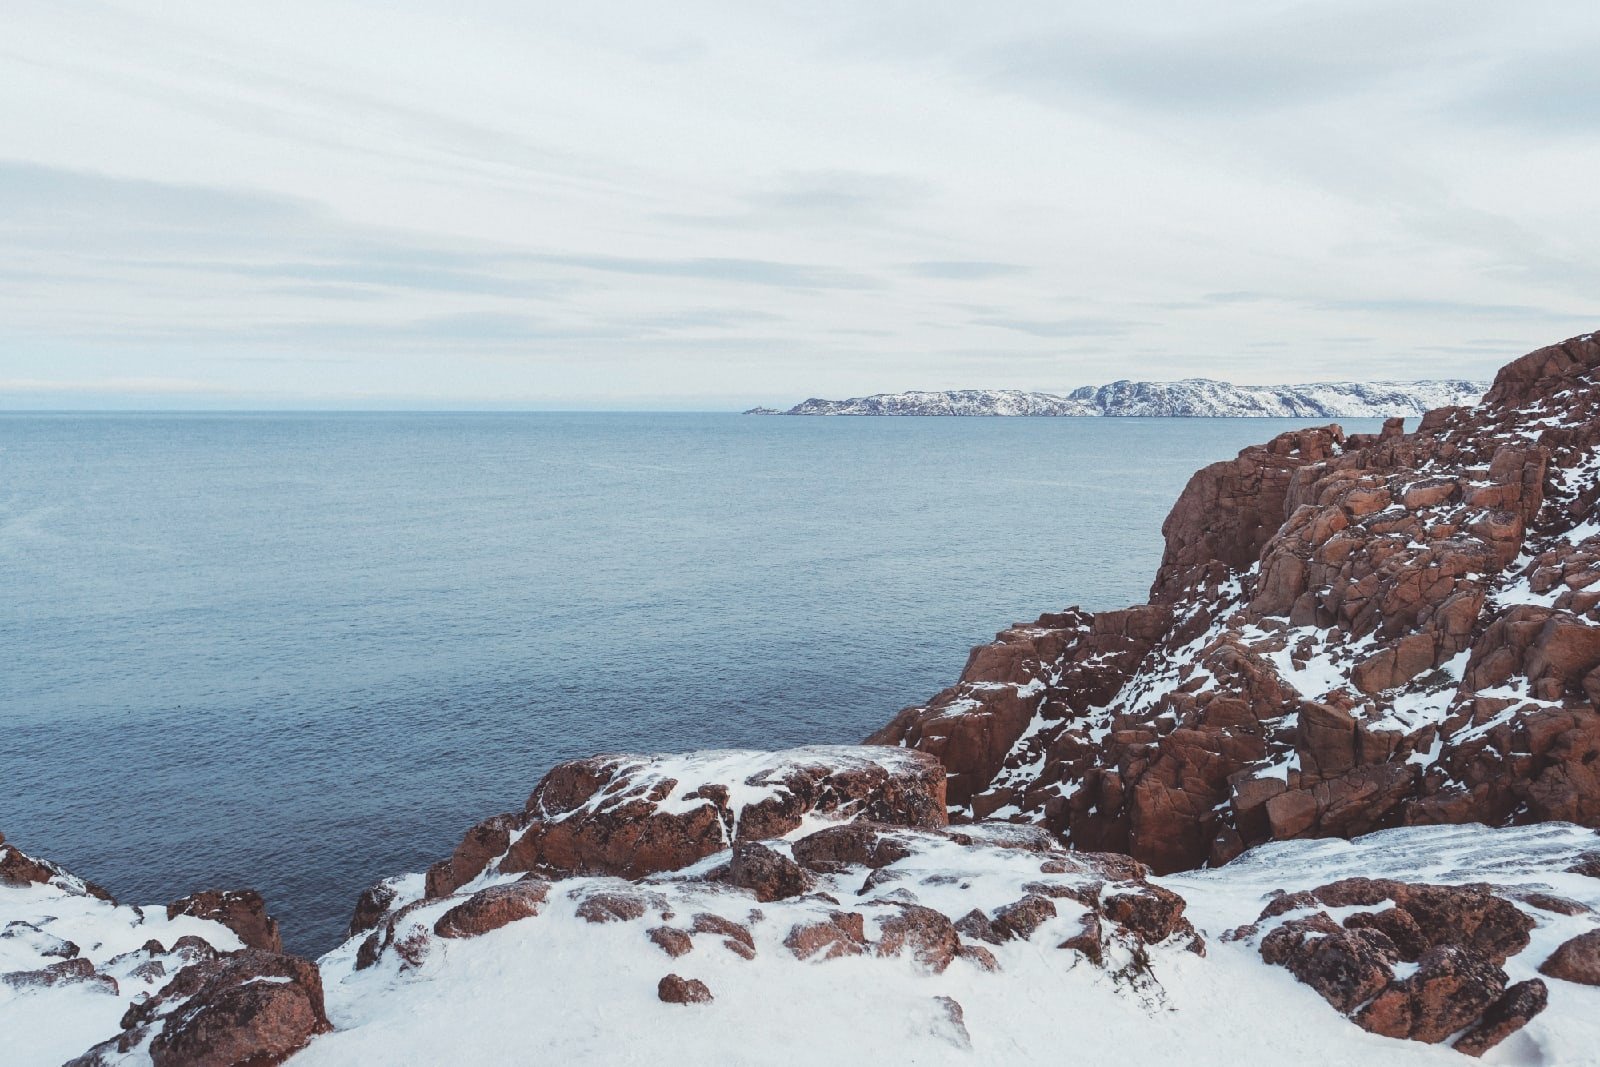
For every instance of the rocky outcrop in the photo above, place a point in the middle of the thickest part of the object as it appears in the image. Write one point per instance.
(632, 816)
(17, 868)
(242, 911)
(247, 1007)
(1455, 939)
(1346, 633)
(190, 997)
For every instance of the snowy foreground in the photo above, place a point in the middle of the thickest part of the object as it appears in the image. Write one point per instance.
(561, 987)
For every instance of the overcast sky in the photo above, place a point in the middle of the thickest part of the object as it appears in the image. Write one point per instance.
(701, 205)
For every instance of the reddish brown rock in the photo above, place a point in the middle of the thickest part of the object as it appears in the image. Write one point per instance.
(480, 846)
(1576, 960)
(614, 906)
(39, 941)
(737, 937)
(1470, 916)
(1152, 912)
(1451, 989)
(953, 1022)
(1509, 1014)
(674, 989)
(927, 934)
(603, 815)
(863, 844)
(17, 868)
(1550, 902)
(768, 874)
(371, 907)
(671, 940)
(494, 907)
(1587, 865)
(1174, 732)
(1423, 915)
(976, 925)
(1021, 918)
(979, 957)
(1347, 967)
(77, 971)
(843, 933)
(242, 911)
(1398, 926)
(1089, 939)
(249, 1008)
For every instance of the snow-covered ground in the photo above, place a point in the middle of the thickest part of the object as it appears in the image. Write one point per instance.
(49, 1025)
(554, 988)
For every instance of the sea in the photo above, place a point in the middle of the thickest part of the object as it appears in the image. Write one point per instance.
(302, 652)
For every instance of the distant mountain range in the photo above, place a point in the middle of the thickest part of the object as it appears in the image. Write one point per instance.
(1191, 398)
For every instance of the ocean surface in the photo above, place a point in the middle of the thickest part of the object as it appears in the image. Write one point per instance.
(301, 652)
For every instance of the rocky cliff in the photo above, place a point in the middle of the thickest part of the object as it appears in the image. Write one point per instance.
(1346, 633)
(1190, 398)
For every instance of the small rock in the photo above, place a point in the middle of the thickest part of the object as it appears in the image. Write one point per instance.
(39, 941)
(77, 971)
(1153, 913)
(672, 941)
(736, 937)
(611, 907)
(770, 875)
(976, 925)
(1021, 918)
(843, 933)
(979, 957)
(491, 908)
(929, 934)
(951, 1022)
(674, 989)
(1089, 940)
(1508, 1015)
(1587, 864)
(1347, 967)
(1577, 960)
(373, 904)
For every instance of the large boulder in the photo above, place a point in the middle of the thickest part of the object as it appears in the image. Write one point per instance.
(250, 1007)
(632, 816)
(1450, 940)
(768, 874)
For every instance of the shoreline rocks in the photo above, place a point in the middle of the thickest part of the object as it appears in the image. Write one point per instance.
(1346, 633)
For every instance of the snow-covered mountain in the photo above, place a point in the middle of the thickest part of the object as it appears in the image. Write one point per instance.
(1191, 397)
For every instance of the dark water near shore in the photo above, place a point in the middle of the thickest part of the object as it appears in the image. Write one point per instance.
(302, 652)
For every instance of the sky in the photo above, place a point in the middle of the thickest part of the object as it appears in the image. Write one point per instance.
(706, 206)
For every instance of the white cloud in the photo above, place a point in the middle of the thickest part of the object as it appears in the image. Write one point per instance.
(624, 204)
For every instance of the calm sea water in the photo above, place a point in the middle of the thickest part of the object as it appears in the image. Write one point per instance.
(303, 652)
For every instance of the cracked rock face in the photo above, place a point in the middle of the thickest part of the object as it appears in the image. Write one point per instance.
(1346, 633)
